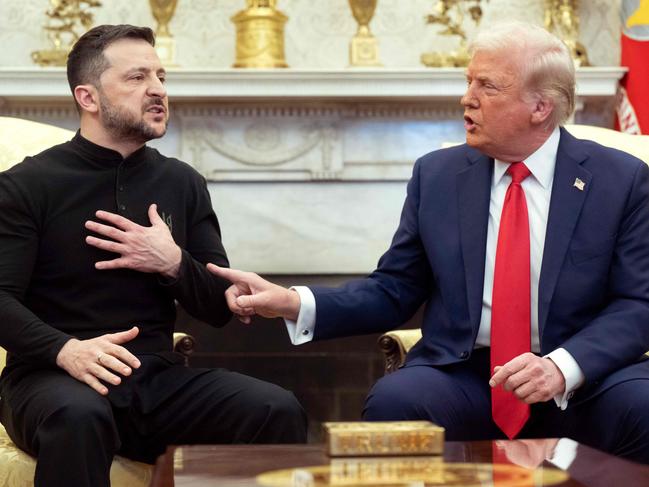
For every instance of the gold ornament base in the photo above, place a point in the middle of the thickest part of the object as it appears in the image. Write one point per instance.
(166, 48)
(50, 57)
(453, 59)
(364, 51)
(260, 38)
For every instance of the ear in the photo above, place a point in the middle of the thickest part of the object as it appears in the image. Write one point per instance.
(87, 98)
(541, 111)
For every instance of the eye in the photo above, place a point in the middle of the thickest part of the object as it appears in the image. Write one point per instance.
(162, 79)
(137, 77)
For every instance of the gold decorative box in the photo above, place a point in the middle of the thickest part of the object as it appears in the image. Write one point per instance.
(346, 439)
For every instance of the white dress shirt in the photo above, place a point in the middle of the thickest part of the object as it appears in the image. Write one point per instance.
(538, 189)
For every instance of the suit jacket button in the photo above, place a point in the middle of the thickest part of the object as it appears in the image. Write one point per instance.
(464, 354)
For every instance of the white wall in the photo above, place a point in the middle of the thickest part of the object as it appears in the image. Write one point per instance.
(317, 33)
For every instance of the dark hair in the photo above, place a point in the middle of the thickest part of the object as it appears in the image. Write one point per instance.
(86, 61)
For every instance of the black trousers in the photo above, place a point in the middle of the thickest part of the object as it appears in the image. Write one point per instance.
(458, 397)
(74, 432)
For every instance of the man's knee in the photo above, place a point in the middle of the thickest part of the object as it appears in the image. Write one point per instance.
(389, 400)
(86, 417)
(282, 415)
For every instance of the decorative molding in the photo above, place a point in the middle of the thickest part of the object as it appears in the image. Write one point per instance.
(391, 84)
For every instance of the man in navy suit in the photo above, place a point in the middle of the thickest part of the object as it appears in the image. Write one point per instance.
(581, 371)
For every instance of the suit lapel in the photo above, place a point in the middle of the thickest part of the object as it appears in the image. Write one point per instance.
(474, 190)
(565, 206)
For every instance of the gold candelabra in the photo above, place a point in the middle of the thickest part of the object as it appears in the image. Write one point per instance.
(260, 35)
(163, 11)
(363, 49)
(450, 14)
(561, 17)
(66, 21)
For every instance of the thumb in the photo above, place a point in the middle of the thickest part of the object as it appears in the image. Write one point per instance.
(154, 218)
(247, 301)
(124, 336)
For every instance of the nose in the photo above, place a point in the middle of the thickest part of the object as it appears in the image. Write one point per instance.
(156, 88)
(469, 99)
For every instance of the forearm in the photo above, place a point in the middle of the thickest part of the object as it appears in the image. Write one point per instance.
(23, 334)
(200, 293)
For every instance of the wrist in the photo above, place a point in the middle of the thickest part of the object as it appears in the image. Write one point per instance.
(173, 271)
(294, 304)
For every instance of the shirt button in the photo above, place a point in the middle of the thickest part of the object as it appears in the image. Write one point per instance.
(122, 207)
(305, 332)
(121, 188)
(464, 354)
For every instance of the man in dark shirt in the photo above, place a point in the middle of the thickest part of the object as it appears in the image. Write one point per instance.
(98, 237)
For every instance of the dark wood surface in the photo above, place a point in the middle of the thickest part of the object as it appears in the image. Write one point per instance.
(239, 465)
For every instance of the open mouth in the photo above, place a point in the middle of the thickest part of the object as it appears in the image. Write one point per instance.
(469, 124)
(157, 109)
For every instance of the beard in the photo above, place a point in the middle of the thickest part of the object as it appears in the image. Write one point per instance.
(125, 125)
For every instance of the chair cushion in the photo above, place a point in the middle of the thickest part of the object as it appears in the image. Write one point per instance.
(17, 468)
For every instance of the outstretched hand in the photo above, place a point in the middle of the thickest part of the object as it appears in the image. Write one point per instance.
(251, 294)
(144, 249)
(94, 359)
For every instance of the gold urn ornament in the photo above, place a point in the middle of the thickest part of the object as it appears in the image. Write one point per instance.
(165, 44)
(364, 48)
(260, 35)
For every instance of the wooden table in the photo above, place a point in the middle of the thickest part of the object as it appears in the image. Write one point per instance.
(463, 463)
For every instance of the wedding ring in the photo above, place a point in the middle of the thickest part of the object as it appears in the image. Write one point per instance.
(99, 358)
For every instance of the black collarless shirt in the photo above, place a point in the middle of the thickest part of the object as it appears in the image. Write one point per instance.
(50, 290)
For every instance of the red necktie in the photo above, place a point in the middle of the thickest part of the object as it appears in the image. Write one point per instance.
(510, 307)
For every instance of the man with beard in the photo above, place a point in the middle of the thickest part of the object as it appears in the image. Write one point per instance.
(89, 272)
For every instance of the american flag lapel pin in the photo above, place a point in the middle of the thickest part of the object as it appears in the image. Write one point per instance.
(579, 184)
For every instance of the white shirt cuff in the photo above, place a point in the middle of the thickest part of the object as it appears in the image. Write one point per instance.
(301, 331)
(564, 453)
(572, 374)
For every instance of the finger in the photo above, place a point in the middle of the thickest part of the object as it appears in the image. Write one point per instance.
(107, 245)
(93, 382)
(516, 380)
(105, 230)
(247, 302)
(122, 336)
(119, 263)
(154, 217)
(244, 319)
(232, 275)
(117, 220)
(524, 390)
(508, 369)
(117, 360)
(104, 374)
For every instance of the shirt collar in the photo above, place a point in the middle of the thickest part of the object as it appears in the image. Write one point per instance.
(104, 155)
(541, 163)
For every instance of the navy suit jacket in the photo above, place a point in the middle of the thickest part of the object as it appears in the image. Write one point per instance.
(594, 282)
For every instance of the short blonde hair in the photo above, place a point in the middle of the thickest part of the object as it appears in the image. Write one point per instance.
(547, 68)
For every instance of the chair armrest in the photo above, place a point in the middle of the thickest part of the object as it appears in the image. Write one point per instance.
(184, 344)
(395, 345)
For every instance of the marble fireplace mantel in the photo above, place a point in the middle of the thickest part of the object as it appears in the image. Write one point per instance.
(307, 168)
(185, 84)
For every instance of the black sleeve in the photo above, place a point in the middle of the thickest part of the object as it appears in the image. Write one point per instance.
(198, 291)
(21, 331)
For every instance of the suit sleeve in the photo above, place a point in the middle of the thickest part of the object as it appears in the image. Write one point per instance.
(198, 291)
(392, 293)
(21, 331)
(619, 334)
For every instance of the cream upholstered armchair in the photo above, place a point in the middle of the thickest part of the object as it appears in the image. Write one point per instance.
(18, 139)
(396, 344)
